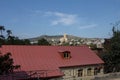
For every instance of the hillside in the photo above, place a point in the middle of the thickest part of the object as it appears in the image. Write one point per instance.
(57, 38)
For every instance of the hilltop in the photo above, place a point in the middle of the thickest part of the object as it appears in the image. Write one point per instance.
(56, 39)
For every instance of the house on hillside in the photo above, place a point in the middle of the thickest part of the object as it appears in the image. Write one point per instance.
(53, 62)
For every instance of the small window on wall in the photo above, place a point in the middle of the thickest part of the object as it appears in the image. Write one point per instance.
(89, 71)
(80, 72)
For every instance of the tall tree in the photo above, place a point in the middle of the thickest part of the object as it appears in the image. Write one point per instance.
(9, 32)
(115, 49)
(1, 30)
(112, 57)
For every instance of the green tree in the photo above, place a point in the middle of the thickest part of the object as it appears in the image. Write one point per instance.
(1, 30)
(17, 41)
(93, 46)
(6, 64)
(26, 42)
(43, 42)
(9, 32)
(2, 41)
(10, 40)
(112, 57)
(115, 49)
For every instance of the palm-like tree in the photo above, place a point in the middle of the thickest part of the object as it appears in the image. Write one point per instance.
(2, 29)
(9, 32)
(10, 38)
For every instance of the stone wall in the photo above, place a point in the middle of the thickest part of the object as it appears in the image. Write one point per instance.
(71, 73)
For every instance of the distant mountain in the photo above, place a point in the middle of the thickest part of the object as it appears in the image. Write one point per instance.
(57, 38)
(47, 37)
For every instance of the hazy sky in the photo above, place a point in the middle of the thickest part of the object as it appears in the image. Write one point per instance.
(84, 18)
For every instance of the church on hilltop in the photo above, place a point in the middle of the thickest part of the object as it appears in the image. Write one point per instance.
(64, 39)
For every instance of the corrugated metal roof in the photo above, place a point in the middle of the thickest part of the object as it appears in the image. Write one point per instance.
(33, 58)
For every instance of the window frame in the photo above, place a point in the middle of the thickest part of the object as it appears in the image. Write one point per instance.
(89, 72)
(80, 72)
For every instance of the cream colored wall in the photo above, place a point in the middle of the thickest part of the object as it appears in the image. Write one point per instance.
(72, 73)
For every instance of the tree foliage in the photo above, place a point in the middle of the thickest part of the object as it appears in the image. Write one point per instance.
(112, 57)
(6, 64)
(16, 41)
(2, 29)
(1, 35)
(43, 42)
(10, 39)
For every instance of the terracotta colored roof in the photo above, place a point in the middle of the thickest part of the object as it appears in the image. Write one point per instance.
(32, 58)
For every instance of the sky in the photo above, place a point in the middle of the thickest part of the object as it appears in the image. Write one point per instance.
(83, 18)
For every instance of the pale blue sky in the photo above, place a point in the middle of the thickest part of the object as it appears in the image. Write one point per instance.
(84, 18)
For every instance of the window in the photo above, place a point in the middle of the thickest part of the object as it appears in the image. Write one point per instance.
(80, 72)
(95, 71)
(66, 55)
(99, 69)
(89, 71)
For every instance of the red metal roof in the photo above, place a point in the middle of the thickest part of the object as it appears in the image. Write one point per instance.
(33, 58)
